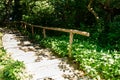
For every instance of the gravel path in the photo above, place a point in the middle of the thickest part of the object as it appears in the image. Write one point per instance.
(39, 62)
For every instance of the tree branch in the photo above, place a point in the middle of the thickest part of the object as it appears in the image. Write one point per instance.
(91, 10)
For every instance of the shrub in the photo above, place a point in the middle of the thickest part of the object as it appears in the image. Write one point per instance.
(114, 33)
(13, 71)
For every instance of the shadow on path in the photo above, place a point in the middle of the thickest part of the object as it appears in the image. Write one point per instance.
(40, 62)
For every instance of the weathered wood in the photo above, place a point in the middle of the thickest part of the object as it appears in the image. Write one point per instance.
(25, 26)
(71, 31)
(32, 30)
(44, 33)
(61, 29)
(70, 44)
(68, 30)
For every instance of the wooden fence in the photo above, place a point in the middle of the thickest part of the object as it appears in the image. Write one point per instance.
(70, 31)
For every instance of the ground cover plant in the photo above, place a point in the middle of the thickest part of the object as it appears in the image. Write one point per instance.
(10, 69)
(96, 62)
(99, 63)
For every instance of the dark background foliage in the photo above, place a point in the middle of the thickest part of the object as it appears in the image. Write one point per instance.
(73, 14)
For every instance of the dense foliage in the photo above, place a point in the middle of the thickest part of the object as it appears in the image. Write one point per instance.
(100, 18)
(99, 55)
(95, 61)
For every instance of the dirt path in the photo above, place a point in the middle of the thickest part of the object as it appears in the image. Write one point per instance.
(39, 62)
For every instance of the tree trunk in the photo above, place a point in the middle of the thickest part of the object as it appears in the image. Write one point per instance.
(8, 6)
(103, 38)
(78, 14)
(17, 11)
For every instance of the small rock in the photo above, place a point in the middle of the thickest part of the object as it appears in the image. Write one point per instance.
(26, 43)
(31, 48)
(47, 78)
(24, 49)
(38, 59)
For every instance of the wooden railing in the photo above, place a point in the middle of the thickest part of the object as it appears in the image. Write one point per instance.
(70, 31)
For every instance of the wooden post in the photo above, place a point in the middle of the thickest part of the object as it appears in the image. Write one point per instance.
(32, 30)
(70, 44)
(22, 25)
(44, 33)
(25, 26)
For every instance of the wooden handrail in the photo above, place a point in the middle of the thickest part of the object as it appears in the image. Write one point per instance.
(60, 29)
(71, 31)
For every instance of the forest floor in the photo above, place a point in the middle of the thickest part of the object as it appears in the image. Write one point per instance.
(40, 62)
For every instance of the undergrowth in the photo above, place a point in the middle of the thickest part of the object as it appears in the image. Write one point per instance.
(10, 69)
(97, 62)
